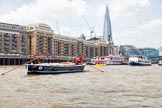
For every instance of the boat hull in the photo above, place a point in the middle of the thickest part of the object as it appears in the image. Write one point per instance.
(138, 60)
(139, 64)
(160, 63)
(53, 69)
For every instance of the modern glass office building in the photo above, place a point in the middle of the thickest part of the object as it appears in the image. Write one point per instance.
(107, 33)
(128, 50)
(149, 52)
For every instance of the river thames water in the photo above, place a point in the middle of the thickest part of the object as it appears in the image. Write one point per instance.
(119, 86)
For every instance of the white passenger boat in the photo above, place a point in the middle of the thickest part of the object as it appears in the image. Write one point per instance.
(108, 60)
(160, 63)
(53, 68)
(139, 60)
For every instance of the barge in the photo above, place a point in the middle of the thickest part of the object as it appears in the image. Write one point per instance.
(54, 68)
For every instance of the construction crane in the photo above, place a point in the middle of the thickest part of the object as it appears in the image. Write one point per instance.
(91, 29)
(57, 27)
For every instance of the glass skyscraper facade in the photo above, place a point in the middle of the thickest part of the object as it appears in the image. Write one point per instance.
(107, 33)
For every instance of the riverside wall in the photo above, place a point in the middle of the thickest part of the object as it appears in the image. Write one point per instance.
(19, 60)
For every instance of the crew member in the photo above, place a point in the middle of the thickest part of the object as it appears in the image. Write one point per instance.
(38, 58)
(80, 57)
(78, 60)
(74, 59)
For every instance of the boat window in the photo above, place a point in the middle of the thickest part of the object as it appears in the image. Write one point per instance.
(102, 58)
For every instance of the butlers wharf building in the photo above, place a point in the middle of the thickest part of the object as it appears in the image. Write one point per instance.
(19, 44)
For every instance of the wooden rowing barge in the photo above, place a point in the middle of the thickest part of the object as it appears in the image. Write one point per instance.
(54, 68)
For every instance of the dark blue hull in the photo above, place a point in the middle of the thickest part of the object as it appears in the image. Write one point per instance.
(40, 69)
(139, 64)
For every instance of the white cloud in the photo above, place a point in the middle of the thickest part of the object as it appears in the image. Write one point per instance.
(45, 12)
(124, 8)
(127, 16)
(145, 35)
(65, 31)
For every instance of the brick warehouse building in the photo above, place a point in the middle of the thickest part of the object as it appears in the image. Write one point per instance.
(40, 39)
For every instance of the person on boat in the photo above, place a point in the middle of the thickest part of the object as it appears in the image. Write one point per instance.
(78, 60)
(74, 60)
(38, 58)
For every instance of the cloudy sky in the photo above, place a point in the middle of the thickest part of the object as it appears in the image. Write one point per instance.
(135, 22)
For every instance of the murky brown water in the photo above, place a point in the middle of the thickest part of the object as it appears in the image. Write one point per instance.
(118, 87)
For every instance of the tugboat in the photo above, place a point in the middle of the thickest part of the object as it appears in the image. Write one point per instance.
(138, 60)
(160, 63)
(53, 68)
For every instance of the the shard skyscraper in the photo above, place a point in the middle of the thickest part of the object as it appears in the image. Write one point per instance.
(107, 33)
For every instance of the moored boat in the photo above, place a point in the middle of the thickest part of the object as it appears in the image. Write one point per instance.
(54, 68)
(108, 60)
(160, 63)
(138, 60)
(100, 64)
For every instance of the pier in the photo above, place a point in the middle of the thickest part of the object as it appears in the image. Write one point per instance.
(20, 59)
